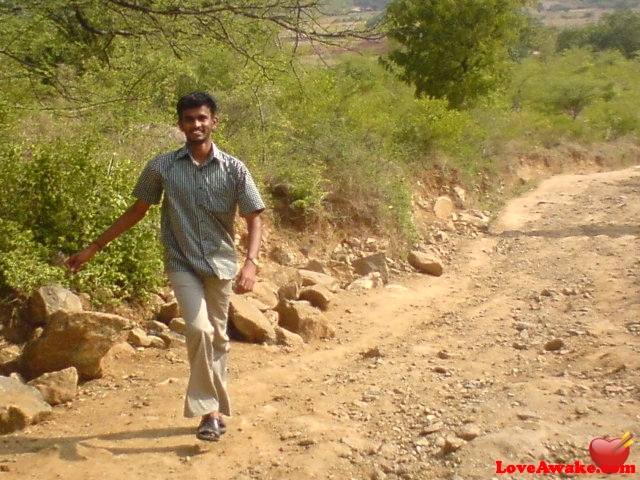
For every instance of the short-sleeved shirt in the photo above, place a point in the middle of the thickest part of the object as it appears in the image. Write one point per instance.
(199, 204)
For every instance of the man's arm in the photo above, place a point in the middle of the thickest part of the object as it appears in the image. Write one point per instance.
(128, 219)
(247, 275)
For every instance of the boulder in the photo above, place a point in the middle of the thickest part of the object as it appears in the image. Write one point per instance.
(287, 338)
(57, 387)
(250, 321)
(443, 207)
(302, 318)
(314, 278)
(20, 405)
(73, 339)
(290, 282)
(169, 311)
(372, 263)
(48, 300)
(264, 295)
(315, 266)
(426, 263)
(317, 295)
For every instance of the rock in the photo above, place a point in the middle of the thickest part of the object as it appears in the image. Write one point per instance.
(280, 254)
(443, 207)
(461, 195)
(57, 387)
(265, 295)
(154, 327)
(169, 311)
(314, 278)
(250, 322)
(360, 444)
(554, 345)
(301, 318)
(474, 218)
(138, 338)
(290, 281)
(171, 339)
(372, 280)
(315, 266)
(48, 300)
(20, 405)
(156, 341)
(373, 352)
(9, 356)
(287, 338)
(372, 263)
(451, 444)
(73, 339)
(177, 325)
(468, 432)
(317, 295)
(425, 263)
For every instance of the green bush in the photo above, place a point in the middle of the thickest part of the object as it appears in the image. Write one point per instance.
(58, 198)
(24, 263)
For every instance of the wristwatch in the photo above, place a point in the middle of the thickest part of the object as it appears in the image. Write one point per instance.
(254, 261)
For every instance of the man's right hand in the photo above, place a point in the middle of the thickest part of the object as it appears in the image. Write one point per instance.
(75, 261)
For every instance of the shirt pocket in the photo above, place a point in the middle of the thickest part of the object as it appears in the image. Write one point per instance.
(218, 200)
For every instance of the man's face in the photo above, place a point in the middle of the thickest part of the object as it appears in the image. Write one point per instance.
(197, 124)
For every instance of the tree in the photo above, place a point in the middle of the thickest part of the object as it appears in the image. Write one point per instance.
(452, 49)
(615, 31)
(78, 37)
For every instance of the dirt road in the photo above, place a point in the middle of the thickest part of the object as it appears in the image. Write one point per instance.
(526, 349)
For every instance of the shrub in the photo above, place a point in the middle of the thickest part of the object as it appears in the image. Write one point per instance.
(58, 197)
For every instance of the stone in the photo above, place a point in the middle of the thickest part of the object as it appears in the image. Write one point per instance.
(443, 207)
(317, 295)
(250, 322)
(20, 405)
(49, 299)
(57, 387)
(305, 320)
(138, 338)
(314, 278)
(372, 263)
(287, 338)
(265, 294)
(168, 311)
(73, 339)
(426, 263)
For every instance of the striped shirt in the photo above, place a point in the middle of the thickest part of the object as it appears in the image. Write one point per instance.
(199, 203)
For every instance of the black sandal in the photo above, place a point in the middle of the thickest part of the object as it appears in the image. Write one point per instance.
(209, 429)
(221, 425)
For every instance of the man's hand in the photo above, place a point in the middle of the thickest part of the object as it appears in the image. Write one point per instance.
(74, 262)
(246, 277)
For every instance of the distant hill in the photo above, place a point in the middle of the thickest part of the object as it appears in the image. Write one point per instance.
(576, 13)
(557, 13)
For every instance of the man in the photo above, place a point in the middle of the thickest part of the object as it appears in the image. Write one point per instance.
(200, 187)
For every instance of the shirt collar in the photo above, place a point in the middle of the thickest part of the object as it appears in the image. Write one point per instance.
(215, 154)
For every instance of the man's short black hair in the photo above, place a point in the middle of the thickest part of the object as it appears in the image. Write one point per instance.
(196, 100)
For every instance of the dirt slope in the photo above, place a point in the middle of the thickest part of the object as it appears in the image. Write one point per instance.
(415, 367)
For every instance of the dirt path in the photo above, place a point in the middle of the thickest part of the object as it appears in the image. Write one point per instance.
(527, 346)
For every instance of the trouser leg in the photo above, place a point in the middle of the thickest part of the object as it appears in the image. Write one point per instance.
(204, 305)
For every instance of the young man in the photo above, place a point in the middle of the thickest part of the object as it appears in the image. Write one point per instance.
(201, 187)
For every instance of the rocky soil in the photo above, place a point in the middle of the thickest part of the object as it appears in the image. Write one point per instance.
(525, 349)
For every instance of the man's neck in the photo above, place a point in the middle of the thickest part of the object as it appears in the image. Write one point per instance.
(200, 151)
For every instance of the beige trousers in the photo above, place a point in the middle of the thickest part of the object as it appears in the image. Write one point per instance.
(204, 304)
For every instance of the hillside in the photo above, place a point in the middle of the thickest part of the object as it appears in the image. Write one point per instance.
(526, 349)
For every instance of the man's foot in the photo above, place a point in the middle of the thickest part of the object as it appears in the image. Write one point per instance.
(209, 429)
(222, 425)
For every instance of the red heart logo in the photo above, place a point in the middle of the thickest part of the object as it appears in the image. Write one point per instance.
(602, 453)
